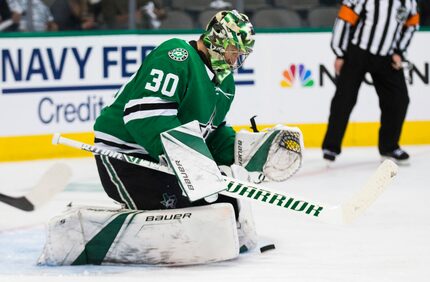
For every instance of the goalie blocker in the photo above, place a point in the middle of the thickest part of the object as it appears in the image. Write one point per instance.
(186, 236)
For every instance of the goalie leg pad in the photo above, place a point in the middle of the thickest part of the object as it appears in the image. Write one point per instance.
(186, 236)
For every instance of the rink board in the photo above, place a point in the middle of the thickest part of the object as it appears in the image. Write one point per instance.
(62, 84)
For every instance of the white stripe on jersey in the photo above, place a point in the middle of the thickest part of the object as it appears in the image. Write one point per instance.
(346, 38)
(363, 37)
(389, 40)
(380, 25)
(145, 100)
(406, 39)
(107, 137)
(149, 113)
(120, 150)
(337, 37)
(357, 34)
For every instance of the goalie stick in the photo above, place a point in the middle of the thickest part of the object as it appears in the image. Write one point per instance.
(53, 181)
(337, 214)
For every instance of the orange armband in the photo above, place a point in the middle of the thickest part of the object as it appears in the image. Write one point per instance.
(348, 15)
(413, 20)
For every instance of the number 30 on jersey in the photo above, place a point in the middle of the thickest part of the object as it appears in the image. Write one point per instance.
(168, 82)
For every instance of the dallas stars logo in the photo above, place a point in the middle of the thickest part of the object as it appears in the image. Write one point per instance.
(178, 54)
(169, 201)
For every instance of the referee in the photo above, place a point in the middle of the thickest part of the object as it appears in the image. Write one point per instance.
(371, 36)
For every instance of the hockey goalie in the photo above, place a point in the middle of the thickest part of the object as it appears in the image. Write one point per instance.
(172, 111)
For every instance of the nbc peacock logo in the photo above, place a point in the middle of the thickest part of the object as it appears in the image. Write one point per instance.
(291, 75)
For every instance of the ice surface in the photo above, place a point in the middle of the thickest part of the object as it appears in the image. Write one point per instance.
(390, 242)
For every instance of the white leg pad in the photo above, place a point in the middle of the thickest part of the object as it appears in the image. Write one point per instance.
(186, 236)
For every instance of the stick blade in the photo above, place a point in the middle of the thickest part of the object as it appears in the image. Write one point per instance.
(52, 182)
(374, 187)
(20, 202)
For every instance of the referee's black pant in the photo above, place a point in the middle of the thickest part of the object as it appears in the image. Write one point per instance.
(392, 91)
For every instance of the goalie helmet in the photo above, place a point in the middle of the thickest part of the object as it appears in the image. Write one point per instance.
(228, 28)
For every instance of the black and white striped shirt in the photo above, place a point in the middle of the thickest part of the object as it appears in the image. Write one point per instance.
(381, 27)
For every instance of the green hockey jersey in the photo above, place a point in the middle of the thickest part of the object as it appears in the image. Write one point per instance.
(173, 86)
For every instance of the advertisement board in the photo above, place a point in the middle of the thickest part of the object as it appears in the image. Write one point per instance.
(61, 83)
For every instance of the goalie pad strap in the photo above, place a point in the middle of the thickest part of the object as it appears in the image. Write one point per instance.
(171, 237)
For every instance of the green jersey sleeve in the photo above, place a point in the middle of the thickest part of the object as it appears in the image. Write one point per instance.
(221, 145)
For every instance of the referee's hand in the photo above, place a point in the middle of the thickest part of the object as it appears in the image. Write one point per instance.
(338, 64)
(397, 61)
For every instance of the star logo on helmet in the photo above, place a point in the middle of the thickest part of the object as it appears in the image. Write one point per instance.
(178, 54)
